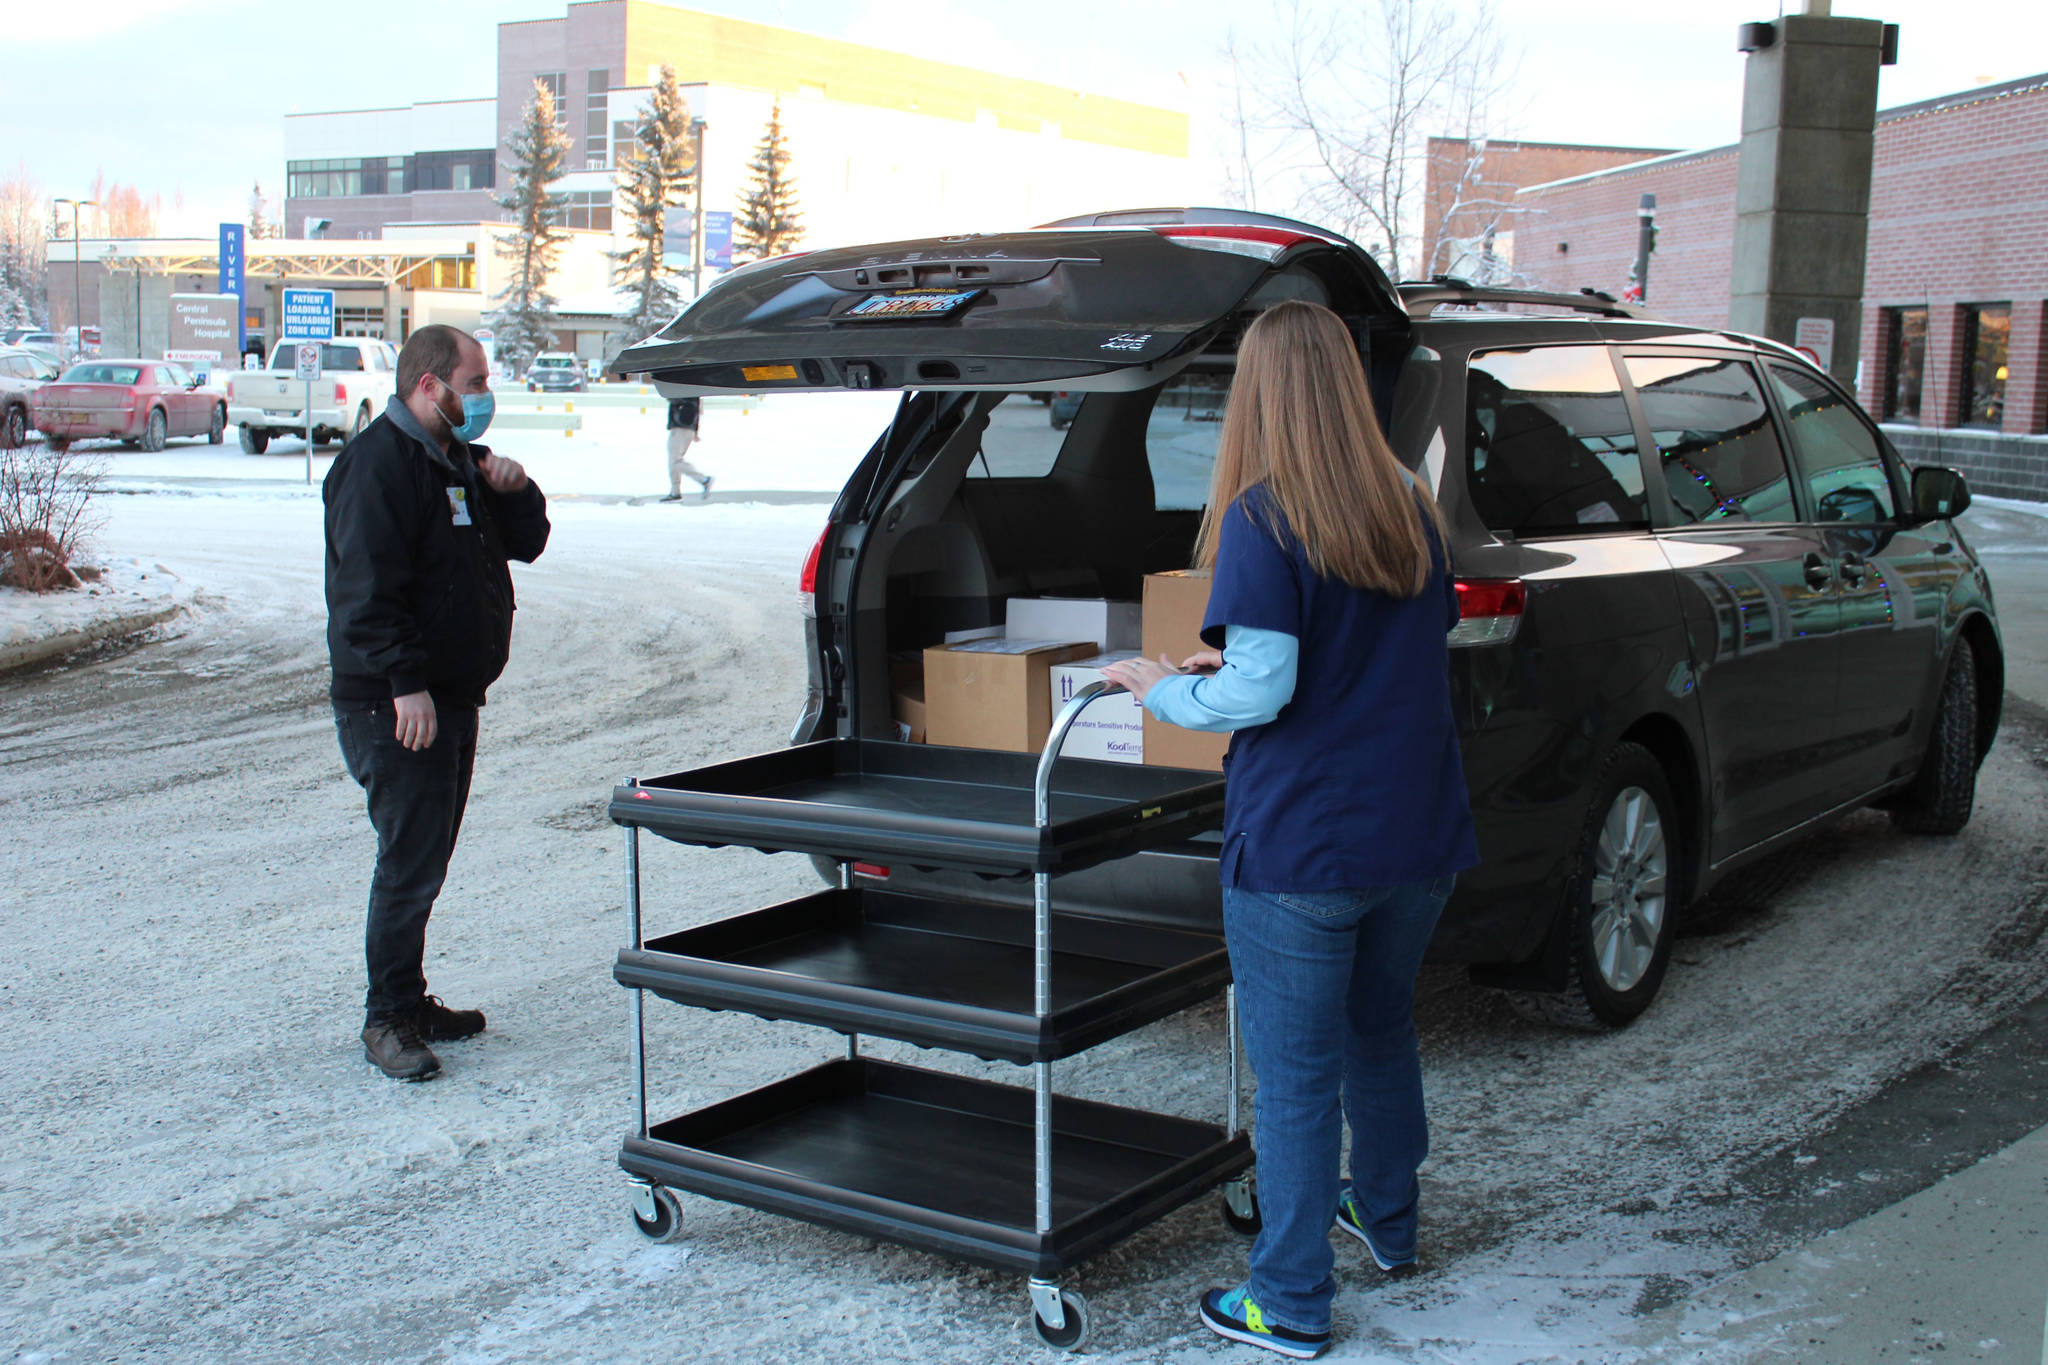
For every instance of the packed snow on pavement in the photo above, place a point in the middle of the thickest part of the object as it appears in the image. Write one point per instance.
(204, 1168)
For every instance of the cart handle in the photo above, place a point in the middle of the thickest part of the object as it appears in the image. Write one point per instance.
(1041, 790)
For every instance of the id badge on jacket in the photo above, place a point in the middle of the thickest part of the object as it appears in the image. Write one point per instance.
(458, 505)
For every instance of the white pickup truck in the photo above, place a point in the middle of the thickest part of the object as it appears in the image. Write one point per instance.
(357, 376)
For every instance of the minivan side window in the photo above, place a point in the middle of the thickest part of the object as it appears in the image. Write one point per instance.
(1020, 441)
(1843, 465)
(1181, 437)
(1720, 455)
(1550, 446)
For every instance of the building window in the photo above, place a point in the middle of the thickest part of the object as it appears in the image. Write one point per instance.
(1987, 327)
(587, 209)
(359, 322)
(625, 140)
(557, 83)
(469, 170)
(597, 120)
(1905, 333)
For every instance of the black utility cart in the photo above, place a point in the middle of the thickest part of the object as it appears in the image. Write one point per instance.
(1006, 1176)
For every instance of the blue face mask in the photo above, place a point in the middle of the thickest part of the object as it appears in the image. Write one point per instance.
(477, 411)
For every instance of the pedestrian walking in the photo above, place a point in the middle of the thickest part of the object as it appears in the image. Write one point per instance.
(1346, 818)
(682, 430)
(421, 522)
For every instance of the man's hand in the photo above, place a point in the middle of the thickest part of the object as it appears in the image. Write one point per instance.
(418, 723)
(1139, 676)
(506, 476)
(1203, 661)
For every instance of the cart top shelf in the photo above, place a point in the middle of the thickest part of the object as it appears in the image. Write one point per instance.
(926, 805)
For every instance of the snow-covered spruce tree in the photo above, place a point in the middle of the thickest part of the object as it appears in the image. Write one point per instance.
(261, 224)
(654, 177)
(768, 222)
(525, 316)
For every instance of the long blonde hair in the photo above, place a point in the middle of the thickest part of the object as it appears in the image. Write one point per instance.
(1300, 421)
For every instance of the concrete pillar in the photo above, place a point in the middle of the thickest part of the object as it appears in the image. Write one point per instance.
(1802, 196)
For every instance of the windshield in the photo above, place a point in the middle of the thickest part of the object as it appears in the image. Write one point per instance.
(553, 362)
(103, 374)
(331, 357)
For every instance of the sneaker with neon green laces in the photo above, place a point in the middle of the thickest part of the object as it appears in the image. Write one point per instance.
(1351, 1218)
(1231, 1313)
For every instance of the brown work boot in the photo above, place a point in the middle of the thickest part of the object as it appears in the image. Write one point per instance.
(439, 1024)
(396, 1048)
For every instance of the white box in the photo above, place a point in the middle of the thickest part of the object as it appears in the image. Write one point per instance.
(1111, 625)
(1112, 729)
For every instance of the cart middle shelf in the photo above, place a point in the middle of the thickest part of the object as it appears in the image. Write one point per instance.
(939, 972)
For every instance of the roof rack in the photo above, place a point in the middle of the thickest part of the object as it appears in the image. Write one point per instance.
(1423, 299)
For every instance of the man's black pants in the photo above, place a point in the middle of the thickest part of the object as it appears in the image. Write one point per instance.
(416, 800)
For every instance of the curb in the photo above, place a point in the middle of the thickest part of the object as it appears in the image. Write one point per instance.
(29, 653)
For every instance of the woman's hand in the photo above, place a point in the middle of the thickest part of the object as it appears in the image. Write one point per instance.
(1206, 661)
(1139, 676)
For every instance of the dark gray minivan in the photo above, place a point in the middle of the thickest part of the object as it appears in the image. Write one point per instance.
(1705, 606)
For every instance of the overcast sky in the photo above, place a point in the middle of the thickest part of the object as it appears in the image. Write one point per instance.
(185, 98)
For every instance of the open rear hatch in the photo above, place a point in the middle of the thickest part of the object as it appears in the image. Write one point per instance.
(1073, 306)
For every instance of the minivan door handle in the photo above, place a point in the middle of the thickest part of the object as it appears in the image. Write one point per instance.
(1819, 572)
(1853, 567)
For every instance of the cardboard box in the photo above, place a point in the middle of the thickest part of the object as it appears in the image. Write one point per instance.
(1111, 625)
(906, 704)
(993, 694)
(1112, 728)
(1174, 603)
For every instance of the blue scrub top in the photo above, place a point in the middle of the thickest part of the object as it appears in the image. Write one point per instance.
(1358, 782)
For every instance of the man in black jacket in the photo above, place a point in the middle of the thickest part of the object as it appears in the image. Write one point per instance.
(420, 524)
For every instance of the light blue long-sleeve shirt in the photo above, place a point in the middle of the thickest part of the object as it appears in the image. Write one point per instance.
(1256, 680)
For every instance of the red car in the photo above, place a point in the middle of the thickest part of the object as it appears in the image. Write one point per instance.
(140, 402)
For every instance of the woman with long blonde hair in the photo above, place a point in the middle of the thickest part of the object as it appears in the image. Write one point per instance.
(1345, 819)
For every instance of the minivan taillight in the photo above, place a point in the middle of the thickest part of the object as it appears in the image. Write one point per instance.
(1489, 610)
(807, 586)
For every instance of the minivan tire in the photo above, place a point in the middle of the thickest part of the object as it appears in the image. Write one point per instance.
(1614, 970)
(1942, 794)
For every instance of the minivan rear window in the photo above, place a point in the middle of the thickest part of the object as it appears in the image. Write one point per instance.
(1020, 441)
(1550, 446)
(1181, 437)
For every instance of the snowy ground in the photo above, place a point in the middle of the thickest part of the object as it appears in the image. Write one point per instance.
(202, 1168)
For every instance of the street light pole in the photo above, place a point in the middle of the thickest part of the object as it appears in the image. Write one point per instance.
(77, 269)
(697, 215)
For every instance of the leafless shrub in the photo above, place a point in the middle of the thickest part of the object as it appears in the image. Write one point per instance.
(46, 514)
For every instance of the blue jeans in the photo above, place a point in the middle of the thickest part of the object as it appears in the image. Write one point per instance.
(415, 799)
(1326, 996)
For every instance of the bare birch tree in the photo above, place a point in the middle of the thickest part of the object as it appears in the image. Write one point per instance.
(1348, 96)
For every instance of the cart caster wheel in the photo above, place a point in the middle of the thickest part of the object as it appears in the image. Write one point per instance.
(1069, 1335)
(665, 1222)
(1241, 1208)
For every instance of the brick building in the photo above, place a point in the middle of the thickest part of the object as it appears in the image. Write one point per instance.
(1469, 187)
(1955, 314)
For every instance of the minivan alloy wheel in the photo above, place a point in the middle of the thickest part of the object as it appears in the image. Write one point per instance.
(1631, 870)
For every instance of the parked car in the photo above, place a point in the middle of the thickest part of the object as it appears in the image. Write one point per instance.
(22, 372)
(1706, 609)
(357, 377)
(553, 372)
(1061, 410)
(48, 343)
(140, 402)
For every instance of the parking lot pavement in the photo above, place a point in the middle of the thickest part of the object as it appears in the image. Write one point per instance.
(1958, 1271)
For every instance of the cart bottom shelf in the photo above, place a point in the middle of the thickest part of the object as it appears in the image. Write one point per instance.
(939, 1162)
